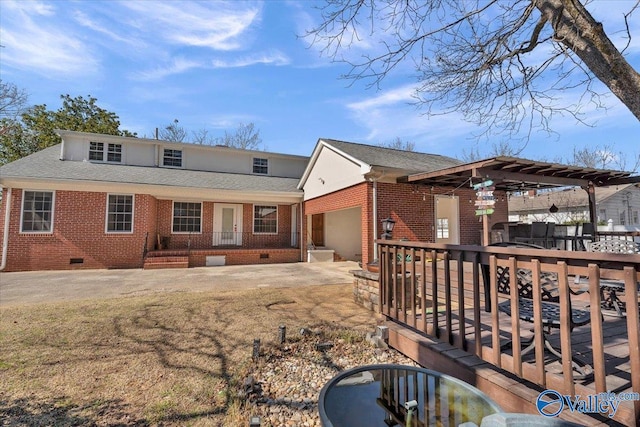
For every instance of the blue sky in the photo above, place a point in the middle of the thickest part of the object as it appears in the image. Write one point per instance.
(213, 65)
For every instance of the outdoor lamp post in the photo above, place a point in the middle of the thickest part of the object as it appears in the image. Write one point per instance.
(387, 227)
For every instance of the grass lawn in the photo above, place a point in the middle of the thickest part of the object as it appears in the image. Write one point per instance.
(165, 359)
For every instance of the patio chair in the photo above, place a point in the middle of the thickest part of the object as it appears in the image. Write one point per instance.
(549, 240)
(537, 236)
(588, 233)
(550, 307)
(610, 289)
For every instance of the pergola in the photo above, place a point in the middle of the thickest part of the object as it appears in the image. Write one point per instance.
(516, 174)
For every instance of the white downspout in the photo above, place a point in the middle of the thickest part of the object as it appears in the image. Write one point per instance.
(5, 234)
(301, 236)
(375, 220)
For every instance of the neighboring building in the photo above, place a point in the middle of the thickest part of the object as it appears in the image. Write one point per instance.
(350, 188)
(100, 201)
(617, 205)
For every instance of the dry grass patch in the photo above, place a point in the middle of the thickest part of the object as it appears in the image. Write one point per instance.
(170, 359)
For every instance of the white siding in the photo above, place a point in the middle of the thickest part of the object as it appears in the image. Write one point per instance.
(331, 172)
(148, 152)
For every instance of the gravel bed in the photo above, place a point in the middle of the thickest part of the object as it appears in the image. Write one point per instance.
(284, 385)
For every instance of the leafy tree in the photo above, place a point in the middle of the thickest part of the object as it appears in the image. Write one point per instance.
(399, 144)
(36, 128)
(504, 65)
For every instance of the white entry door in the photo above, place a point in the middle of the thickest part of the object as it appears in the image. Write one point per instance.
(447, 223)
(227, 224)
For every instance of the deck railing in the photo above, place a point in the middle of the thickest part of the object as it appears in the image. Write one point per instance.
(439, 291)
(230, 240)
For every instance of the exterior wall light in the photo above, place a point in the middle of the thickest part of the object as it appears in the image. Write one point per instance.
(387, 227)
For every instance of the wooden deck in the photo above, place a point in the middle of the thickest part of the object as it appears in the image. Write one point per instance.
(461, 295)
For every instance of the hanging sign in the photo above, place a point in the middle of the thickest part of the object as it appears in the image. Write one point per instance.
(484, 212)
(484, 184)
(485, 200)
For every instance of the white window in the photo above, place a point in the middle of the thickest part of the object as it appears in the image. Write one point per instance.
(187, 217)
(96, 151)
(635, 217)
(119, 213)
(101, 152)
(37, 211)
(172, 158)
(442, 230)
(260, 166)
(265, 219)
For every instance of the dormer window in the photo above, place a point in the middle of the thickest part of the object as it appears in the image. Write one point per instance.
(101, 152)
(260, 166)
(172, 158)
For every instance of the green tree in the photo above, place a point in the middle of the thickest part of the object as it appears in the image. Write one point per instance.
(36, 128)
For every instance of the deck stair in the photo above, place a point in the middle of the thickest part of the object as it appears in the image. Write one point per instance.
(166, 259)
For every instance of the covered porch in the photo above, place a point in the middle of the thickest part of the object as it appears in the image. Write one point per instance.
(444, 313)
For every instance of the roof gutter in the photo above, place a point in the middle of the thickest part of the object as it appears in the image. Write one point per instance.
(5, 234)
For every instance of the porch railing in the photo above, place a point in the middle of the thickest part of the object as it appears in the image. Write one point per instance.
(439, 291)
(228, 240)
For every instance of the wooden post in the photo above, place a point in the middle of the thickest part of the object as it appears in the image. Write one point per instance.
(485, 230)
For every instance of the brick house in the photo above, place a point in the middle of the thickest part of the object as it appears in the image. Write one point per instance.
(350, 188)
(101, 201)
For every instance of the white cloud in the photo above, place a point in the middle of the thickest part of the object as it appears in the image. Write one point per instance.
(28, 7)
(273, 58)
(176, 66)
(389, 115)
(32, 44)
(86, 21)
(215, 25)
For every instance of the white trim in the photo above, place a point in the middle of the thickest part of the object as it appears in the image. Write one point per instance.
(5, 235)
(173, 208)
(365, 168)
(53, 209)
(253, 222)
(133, 210)
(159, 191)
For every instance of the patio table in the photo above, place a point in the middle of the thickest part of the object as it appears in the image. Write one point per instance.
(384, 395)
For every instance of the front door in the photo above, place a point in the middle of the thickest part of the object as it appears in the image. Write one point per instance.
(447, 224)
(227, 224)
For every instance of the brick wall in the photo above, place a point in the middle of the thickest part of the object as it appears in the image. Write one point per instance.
(79, 234)
(205, 238)
(411, 206)
(359, 195)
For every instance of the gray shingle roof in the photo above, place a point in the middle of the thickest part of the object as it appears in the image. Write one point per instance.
(410, 161)
(46, 165)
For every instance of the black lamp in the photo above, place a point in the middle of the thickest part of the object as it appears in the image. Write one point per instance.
(553, 208)
(387, 227)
